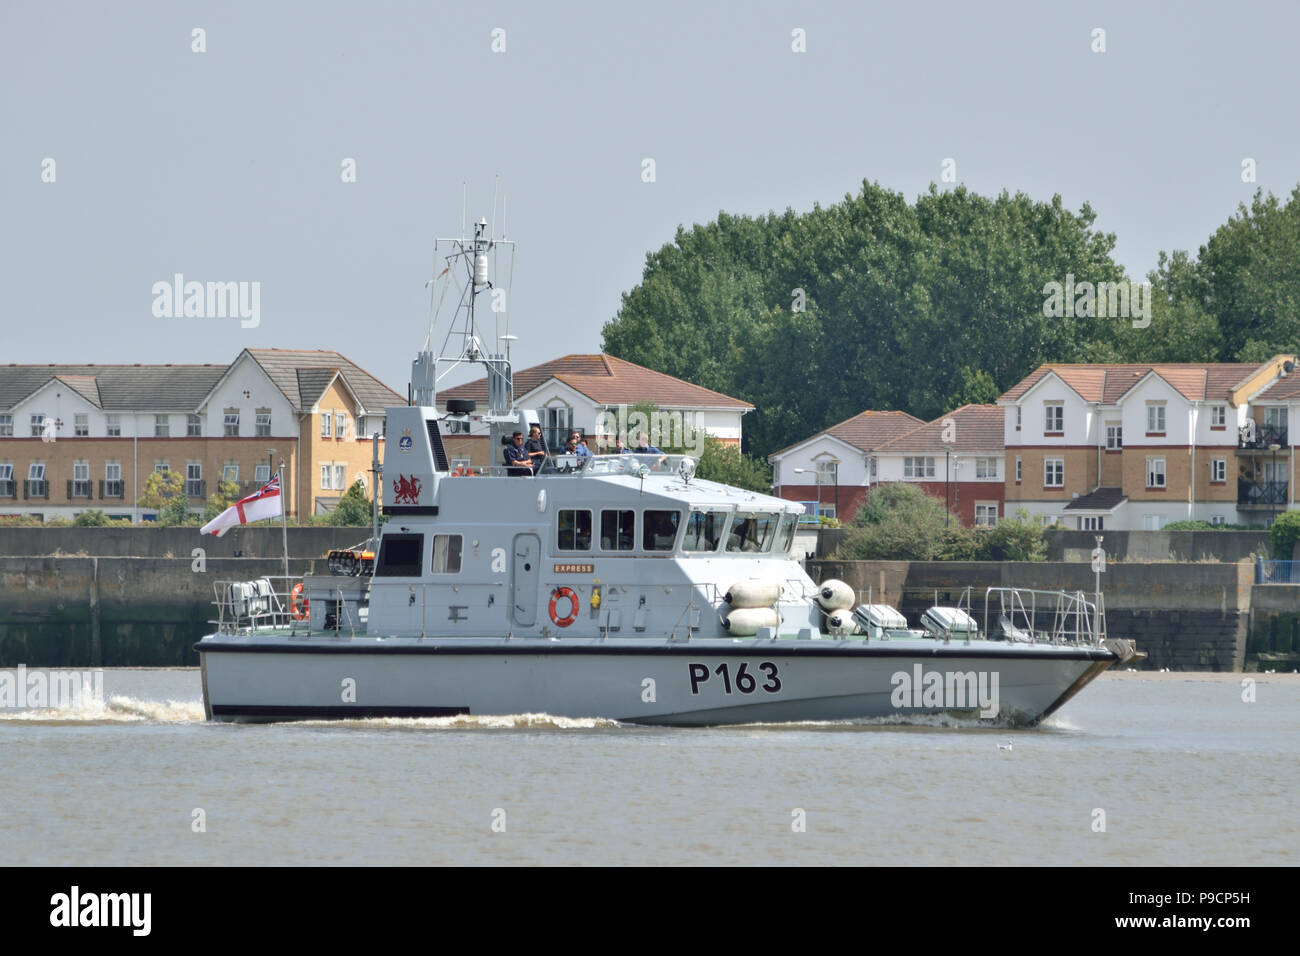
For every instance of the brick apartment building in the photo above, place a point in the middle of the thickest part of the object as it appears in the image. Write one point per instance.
(77, 437)
(1134, 447)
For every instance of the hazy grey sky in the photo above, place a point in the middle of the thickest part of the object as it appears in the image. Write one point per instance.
(225, 165)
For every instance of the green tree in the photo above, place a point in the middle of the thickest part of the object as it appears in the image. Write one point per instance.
(899, 522)
(1017, 538)
(869, 303)
(160, 487)
(727, 464)
(354, 508)
(1249, 279)
(226, 494)
(164, 492)
(94, 518)
(1284, 535)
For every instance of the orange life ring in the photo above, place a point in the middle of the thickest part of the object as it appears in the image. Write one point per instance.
(574, 606)
(298, 605)
(459, 472)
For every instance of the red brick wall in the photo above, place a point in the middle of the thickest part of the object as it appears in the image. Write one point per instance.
(962, 496)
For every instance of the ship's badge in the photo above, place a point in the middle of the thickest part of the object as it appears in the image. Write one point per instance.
(404, 443)
(407, 490)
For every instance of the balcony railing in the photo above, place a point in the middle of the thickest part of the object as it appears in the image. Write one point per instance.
(36, 488)
(112, 489)
(8, 488)
(78, 488)
(1261, 493)
(195, 488)
(1265, 436)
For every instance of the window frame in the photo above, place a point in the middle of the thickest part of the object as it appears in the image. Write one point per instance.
(193, 426)
(1163, 473)
(162, 426)
(1114, 436)
(448, 555)
(617, 548)
(574, 531)
(1156, 416)
(1048, 408)
(1060, 462)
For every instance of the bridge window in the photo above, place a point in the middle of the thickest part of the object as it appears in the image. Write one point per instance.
(751, 532)
(785, 537)
(659, 529)
(400, 556)
(617, 530)
(704, 530)
(575, 530)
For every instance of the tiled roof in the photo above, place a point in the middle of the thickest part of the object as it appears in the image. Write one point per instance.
(974, 428)
(1282, 390)
(302, 375)
(606, 380)
(1108, 383)
(866, 430)
(1103, 499)
(116, 387)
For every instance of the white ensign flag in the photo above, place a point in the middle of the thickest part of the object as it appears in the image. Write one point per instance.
(264, 503)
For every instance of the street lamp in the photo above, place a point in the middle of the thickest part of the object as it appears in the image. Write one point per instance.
(818, 475)
(1274, 448)
(947, 497)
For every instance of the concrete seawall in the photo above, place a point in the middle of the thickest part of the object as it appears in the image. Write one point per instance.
(114, 612)
(148, 611)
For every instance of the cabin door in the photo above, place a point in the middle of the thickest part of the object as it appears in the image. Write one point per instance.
(523, 579)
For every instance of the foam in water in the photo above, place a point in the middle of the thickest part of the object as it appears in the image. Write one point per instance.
(472, 722)
(114, 710)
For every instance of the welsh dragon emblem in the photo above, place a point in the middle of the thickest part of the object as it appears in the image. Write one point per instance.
(407, 490)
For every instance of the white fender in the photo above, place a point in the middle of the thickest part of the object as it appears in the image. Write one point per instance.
(841, 623)
(745, 621)
(754, 592)
(835, 595)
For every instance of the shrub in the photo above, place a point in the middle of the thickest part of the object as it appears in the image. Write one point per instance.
(897, 522)
(1017, 539)
(1285, 534)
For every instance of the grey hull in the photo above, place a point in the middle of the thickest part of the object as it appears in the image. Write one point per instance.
(700, 682)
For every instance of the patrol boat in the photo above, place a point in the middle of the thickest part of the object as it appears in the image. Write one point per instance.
(616, 586)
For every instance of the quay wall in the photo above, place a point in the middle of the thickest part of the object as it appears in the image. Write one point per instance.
(115, 612)
(148, 611)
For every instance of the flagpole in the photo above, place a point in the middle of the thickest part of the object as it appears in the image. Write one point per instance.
(284, 517)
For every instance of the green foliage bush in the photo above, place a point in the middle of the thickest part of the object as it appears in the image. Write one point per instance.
(1285, 534)
(899, 522)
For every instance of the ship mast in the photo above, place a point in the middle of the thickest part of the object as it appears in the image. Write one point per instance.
(463, 343)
